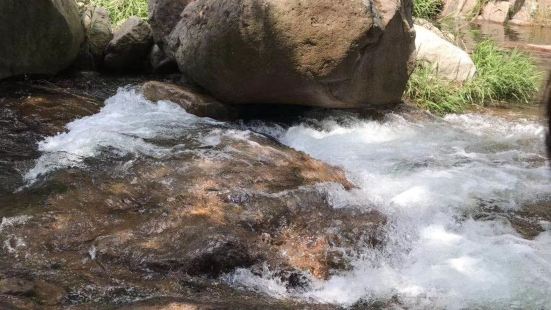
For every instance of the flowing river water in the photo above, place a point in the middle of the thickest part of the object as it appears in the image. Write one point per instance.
(446, 185)
(454, 190)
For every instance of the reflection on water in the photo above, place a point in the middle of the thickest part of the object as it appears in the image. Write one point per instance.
(508, 36)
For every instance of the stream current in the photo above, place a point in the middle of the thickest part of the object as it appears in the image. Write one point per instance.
(449, 187)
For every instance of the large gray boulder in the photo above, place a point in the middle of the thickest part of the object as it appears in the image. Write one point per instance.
(129, 49)
(496, 12)
(327, 53)
(38, 36)
(448, 60)
(98, 31)
(164, 15)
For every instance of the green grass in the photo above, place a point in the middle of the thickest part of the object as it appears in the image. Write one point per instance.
(502, 77)
(429, 92)
(427, 9)
(506, 75)
(120, 10)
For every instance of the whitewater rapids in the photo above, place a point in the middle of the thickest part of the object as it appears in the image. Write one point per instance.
(430, 177)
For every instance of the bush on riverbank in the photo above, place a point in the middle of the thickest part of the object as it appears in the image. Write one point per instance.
(427, 9)
(120, 10)
(503, 76)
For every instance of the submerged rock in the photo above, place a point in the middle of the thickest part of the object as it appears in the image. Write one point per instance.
(44, 293)
(38, 37)
(130, 46)
(338, 54)
(127, 227)
(33, 110)
(232, 301)
(27, 115)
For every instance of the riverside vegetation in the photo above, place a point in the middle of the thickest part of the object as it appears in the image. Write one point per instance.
(427, 9)
(121, 10)
(504, 76)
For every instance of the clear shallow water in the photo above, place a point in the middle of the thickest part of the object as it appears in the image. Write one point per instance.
(428, 177)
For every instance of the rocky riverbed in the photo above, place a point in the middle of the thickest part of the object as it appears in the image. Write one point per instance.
(133, 203)
(144, 200)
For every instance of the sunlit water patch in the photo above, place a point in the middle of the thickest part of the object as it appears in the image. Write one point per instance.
(430, 177)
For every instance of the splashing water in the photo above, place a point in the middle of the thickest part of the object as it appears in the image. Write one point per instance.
(428, 177)
(123, 125)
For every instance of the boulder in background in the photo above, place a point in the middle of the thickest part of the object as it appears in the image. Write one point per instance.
(517, 12)
(130, 47)
(98, 31)
(450, 61)
(496, 12)
(458, 8)
(39, 36)
(325, 53)
(159, 62)
(164, 15)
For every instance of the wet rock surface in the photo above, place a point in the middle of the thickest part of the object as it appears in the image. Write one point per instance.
(145, 232)
(193, 101)
(529, 221)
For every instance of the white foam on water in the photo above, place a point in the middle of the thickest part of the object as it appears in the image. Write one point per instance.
(427, 177)
(123, 125)
(13, 221)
